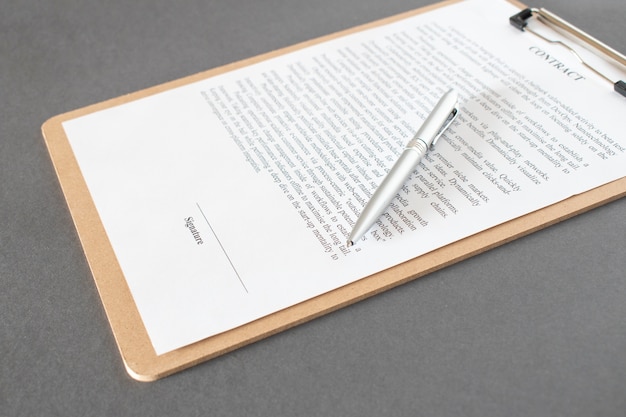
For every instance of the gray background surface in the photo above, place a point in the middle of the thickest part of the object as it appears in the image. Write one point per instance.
(534, 328)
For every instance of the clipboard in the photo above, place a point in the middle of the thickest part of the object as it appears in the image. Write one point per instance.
(139, 357)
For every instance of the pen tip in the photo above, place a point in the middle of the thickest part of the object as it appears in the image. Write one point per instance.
(350, 243)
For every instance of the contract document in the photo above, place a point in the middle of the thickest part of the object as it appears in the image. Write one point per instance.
(231, 198)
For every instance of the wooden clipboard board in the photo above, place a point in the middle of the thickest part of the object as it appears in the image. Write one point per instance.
(132, 339)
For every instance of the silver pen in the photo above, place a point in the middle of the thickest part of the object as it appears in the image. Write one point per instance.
(439, 119)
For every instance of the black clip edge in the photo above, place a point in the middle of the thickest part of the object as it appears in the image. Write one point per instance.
(620, 87)
(519, 20)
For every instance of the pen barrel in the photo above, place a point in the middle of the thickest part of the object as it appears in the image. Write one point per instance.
(388, 189)
(398, 175)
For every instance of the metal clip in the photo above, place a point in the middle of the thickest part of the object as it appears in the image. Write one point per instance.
(519, 20)
(445, 125)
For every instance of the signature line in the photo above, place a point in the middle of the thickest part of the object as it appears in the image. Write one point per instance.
(221, 246)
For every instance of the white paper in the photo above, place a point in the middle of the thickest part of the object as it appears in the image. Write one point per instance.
(233, 197)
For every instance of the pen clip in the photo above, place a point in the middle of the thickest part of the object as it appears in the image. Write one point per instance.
(444, 126)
